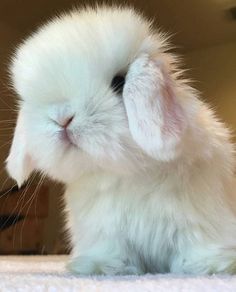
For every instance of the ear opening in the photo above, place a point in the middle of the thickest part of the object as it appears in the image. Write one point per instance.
(156, 118)
(19, 163)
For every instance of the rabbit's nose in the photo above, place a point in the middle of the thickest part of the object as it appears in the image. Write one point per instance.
(65, 121)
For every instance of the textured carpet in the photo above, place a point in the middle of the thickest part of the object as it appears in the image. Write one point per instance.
(47, 273)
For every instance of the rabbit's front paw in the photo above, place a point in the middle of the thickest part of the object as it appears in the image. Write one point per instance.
(84, 265)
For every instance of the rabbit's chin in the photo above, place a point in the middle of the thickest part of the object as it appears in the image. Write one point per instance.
(74, 173)
(64, 166)
(70, 165)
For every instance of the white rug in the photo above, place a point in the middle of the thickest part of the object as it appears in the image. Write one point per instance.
(47, 273)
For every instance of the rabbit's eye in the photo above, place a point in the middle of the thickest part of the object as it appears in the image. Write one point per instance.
(118, 83)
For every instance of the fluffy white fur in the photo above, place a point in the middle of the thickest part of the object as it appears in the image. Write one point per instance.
(149, 172)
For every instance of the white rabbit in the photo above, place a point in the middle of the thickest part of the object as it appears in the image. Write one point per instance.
(148, 168)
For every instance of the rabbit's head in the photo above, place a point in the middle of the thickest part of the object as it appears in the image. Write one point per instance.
(97, 91)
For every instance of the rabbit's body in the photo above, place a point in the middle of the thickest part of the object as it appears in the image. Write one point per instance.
(147, 167)
(167, 221)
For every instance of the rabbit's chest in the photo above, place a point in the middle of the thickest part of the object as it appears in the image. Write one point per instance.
(146, 221)
(154, 227)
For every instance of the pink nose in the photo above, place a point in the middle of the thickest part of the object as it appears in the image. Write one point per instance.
(65, 122)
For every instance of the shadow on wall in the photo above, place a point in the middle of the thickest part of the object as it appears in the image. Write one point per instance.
(214, 70)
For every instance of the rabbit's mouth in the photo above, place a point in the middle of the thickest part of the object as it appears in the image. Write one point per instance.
(67, 138)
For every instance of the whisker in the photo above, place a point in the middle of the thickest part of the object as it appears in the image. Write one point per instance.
(36, 189)
(17, 204)
(9, 110)
(5, 144)
(7, 121)
(5, 103)
(5, 195)
(30, 201)
(36, 199)
(3, 205)
(4, 183)
(8, 191)
(4, 136)
(21, 202)
(7, 129)
(3, 170)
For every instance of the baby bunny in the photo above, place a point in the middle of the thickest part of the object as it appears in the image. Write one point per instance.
(148, 168)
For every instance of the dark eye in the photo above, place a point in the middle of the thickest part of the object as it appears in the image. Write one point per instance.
(118, 83)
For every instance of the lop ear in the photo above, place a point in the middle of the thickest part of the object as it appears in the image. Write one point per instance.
(19, 163)
(156, 118)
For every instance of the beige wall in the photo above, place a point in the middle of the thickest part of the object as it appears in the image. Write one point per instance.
(214, 72)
